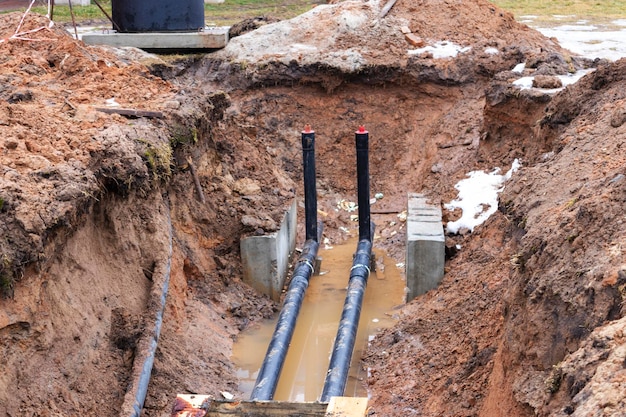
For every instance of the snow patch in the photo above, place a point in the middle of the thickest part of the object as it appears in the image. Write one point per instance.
(492, 51)
(519, 68)
(569, 79)
(441, 49)
(478, 197)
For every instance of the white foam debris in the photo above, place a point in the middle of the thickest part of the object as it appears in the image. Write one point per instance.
(519, 68)
(478, 197)
(491, 50)
(441, 49)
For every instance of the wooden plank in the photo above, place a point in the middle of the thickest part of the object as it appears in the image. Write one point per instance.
(131, 112)
(346, 407)
(205, 406)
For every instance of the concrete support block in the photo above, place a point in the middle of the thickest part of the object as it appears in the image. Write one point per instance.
(265, 259)
(425, 246)
(209, 38)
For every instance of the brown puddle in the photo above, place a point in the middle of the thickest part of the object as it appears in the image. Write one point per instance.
(302, 377)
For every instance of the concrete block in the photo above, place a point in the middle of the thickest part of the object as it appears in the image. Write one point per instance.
(265, 259)
(425, 246)
(210, 38)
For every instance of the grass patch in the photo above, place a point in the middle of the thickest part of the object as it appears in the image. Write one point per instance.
(233, 11)
(6, 277)
(223, 14)
(565, 11)
(159, 159)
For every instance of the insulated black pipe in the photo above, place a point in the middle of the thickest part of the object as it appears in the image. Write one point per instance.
(310, 192)
(337, 375)
(363, 182)
(267, 380)
(339, 367)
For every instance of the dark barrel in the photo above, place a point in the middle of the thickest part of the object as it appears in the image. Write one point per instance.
(158, 15)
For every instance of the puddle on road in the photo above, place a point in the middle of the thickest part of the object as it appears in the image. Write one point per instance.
(302, 377)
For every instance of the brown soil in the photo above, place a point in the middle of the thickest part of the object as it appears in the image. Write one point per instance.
(528, 320)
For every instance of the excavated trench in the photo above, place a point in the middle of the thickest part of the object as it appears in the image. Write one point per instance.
(225, 163)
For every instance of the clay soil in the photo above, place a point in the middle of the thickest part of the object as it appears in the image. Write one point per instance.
(100, 211)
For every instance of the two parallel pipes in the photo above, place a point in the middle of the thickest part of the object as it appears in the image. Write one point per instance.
(339, 367)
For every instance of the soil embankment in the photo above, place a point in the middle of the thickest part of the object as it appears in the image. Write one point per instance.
(528, 318)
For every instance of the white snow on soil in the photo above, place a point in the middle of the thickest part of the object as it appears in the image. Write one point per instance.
(441, 49)
(478, 197)
(527, 82)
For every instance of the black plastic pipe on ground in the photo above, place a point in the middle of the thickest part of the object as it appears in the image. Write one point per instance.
(339, 367)
(310, 191)
(267, 380)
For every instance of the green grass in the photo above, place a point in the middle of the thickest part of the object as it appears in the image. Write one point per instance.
(233, 11)
(600, 11)
(223, 14)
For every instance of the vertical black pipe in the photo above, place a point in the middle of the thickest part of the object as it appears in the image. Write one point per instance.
(339, 367)
(363, 182)
(267, 380)
(310, 192)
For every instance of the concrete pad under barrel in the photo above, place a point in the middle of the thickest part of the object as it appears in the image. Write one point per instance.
(265, 259)
(209, 38)
(425, 246)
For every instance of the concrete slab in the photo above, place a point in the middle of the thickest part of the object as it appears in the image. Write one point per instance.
(425, 247)
(265, 259)
(210, 38)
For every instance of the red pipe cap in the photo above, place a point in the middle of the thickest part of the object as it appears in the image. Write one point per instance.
(361, 130)
(307, 129)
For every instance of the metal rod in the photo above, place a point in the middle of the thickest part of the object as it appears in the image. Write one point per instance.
(310, 192)
(363, 182)
(267, 380)
(339, 367)
(115, 26)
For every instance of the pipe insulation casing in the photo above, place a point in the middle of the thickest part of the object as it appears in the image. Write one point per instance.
(363, 183)
(267, 380)
(339, 367)
(310, 192)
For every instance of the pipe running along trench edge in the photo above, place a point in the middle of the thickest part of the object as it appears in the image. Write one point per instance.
(146, 347)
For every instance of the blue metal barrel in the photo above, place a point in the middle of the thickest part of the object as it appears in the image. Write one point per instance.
(158, 15)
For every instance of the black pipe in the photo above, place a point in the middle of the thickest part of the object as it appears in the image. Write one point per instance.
(337, 375)
(310, 193)
(267, 380)
(363, 182)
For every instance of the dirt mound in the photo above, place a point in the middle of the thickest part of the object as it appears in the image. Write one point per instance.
(451, 42)
(508, 332)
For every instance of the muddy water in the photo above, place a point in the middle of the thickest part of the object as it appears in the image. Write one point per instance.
(306, 364)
